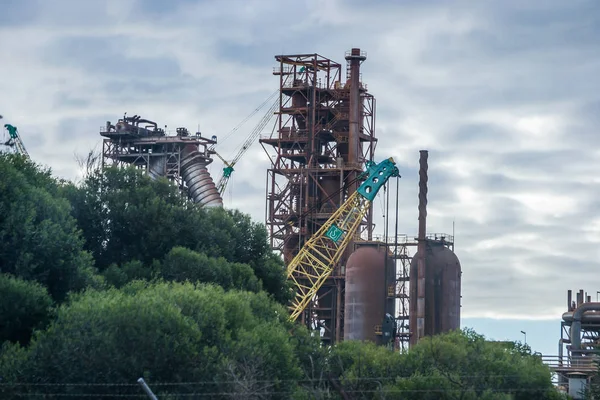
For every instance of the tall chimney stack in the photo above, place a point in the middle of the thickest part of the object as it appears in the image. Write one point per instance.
(417, 283)
(354, 58)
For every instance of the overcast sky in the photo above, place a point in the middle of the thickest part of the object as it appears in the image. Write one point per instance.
(503, 94)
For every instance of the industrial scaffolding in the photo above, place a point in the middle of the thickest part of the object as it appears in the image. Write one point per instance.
(182, 158)
(325, 135)
(402, 249)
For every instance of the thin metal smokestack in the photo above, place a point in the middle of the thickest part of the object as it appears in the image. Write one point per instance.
(419, 332)
(354, 58)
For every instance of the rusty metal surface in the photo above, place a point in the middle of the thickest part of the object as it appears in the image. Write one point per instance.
(435, 276)
(442, 288)
(179, 156)
(312, 166)
(354, 59)
(365, 291)
(418, 286)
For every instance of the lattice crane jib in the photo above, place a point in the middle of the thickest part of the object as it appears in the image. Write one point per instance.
(15, 140)
(317, 258)
(229, 166)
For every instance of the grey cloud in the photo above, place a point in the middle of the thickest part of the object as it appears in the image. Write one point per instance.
(18, 12)
(71, 130)
(246, 53)
(476, 135)
(130, 90)
(108, 56)
(159, 7)
(65, 100)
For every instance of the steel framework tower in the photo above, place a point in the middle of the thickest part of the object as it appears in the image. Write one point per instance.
(325, 136)
(182, 158)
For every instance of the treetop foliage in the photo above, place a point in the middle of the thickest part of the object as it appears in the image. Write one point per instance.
(119, 277)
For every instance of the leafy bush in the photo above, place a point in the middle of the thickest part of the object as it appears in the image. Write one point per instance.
(24, 306)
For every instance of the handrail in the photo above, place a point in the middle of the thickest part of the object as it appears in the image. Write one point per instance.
(582, 363)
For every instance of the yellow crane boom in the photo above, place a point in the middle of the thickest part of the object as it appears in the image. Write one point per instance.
(319, 255)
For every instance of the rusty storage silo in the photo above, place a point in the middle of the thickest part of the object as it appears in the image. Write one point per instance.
(442, 289)
(366, 294)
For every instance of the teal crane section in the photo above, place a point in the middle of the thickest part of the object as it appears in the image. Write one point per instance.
(15, 140)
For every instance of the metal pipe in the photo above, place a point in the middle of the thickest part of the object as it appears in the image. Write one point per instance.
(576, 325)
(421, 261)
(569, 299)
(560, 349)
(354, 59)
(201, 187)
(589, 317)
(397, 208)
(561, 377)
(146, 121)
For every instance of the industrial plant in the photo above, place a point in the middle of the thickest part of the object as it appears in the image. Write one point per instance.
(393, 290)
(350, 282)
(579, 338)
(182, 158)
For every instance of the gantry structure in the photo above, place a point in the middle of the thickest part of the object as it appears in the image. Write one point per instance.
(325, 135)
(182, 157)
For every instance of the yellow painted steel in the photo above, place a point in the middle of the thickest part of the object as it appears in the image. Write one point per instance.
(317, 258)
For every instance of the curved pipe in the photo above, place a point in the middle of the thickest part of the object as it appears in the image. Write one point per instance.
(588, 317)
(576, 324)
(146, 121)
(201, 187)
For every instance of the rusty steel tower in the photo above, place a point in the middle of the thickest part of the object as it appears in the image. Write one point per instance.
(181, 157)
(325, 134)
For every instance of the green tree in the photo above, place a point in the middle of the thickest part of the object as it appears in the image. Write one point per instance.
(364, 369)
(473, 367)
(455, 365)
(125, 216)
(182, 264)
(119, 276)
(24, 307)
(165, 332)
(39, 239)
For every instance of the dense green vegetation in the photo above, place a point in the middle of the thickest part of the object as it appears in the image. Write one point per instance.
(118, 277)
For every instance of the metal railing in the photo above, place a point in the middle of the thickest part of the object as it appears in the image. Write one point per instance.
(403, 238)
(362, 53)
(562, 363)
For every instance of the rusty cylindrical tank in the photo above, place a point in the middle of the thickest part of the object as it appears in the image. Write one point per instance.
(442, 289)
(366, 292)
